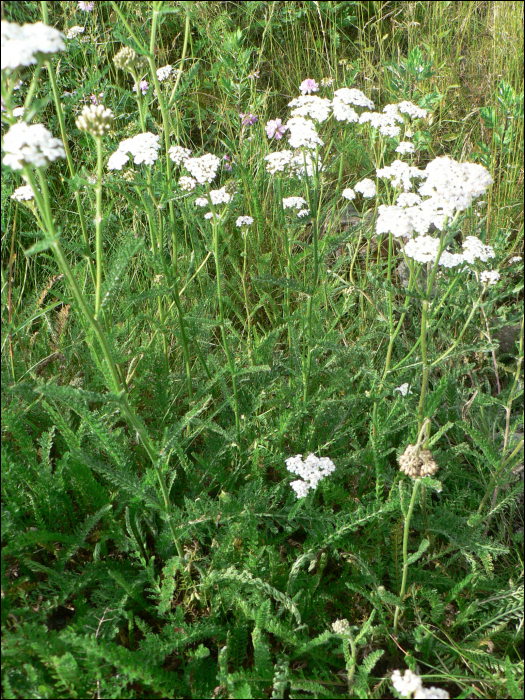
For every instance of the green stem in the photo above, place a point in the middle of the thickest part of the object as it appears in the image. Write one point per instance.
(71, 168)
(166, 128)
(229, 357)
(118, 388)
(405, 550)
(98, 227)
(313, 201)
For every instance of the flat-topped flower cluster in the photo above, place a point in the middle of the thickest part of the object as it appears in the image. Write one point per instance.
(312, 470)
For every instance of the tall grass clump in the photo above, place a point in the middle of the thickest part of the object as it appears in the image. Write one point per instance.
(241, 242)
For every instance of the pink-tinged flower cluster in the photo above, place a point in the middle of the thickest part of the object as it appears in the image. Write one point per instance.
(143, 85)
(86, 6)
(248, 119)
(309, 85)
(275, 129)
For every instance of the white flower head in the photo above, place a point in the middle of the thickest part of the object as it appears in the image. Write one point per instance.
(293, 202)
(18, 111)
(244, 221)
(430, 693)
(489, 277)
(143, 147)
(390, 130)
(31, 144)
(351, 96)
(367, 188)
(405, 147)
(220, 196)
(187, 184)
(178, 154)
(23, 193)
(204, 168)
(164, 72)
(400, 174)
(341, 627)
(312, 471)
(515, 259)
(304, 163)
(73, 32)
(304, 212)
(423, 249)
(474, 249)
(407, 684)
(303, 133)
(404, 389)
(412, 110)
(343, 112)
(317, 108)
(277, 161)
(453, 185)
(408, 199)
(348, 193)
(22, 45)
(95, 119)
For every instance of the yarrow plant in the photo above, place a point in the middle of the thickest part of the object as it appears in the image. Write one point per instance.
(25, 45)
(143, 147)
(312, 470)
(410, 685)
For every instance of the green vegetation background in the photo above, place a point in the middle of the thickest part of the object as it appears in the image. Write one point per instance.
(95, 602)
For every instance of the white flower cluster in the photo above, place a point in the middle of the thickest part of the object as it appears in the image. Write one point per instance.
(73, 32)
(367, 188)
(304, 163)
(348, 193)
(203, 169)
(422, 249)
(304, 212)
(411, 685)
(187, 184)
(317, 108)
(404, 389)
(449, 259)
(178, 154)
(312, 470)
(277, 161)
(95, 119)
(405, 147)
(400, 174)
(351, 96)
(220, 196)
(489, 277)
(293, 202)
(384, 122)
(244, 221)
(143, 147)
(454, 185)
(344, 113)
(474, 249)
(19, 111)
(165, 72)
(23, 193)
(31, 144)
(22, 45)
(341, 626)
(412, 110)
(303, 133)
(408, 199)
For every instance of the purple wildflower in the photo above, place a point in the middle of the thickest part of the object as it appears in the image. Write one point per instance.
(227, 165)
(248, 119)
(86, 6)
(143, 85)
(275, 129)
(309, 85)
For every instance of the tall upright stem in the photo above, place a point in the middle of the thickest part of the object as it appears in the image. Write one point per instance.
(405, 550)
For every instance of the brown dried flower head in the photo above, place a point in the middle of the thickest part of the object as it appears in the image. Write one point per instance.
(417, 463)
